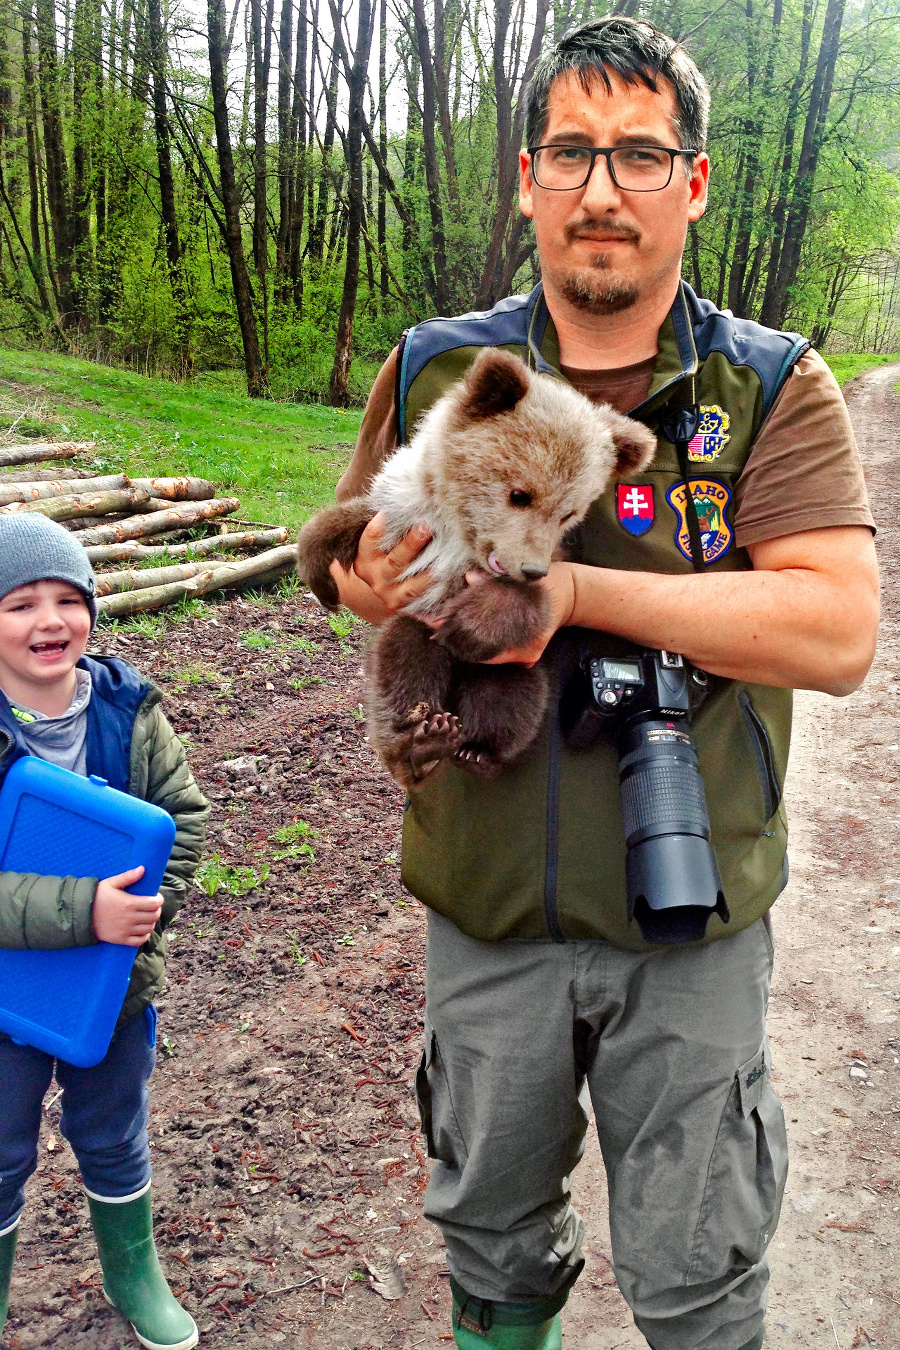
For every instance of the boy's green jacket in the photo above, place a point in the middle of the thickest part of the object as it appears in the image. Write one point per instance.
(52, 912)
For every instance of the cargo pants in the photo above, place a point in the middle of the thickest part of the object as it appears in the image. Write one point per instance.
(522, 1037)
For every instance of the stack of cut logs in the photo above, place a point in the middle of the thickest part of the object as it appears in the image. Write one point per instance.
(120, 519)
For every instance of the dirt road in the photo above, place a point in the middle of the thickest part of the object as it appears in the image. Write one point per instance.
(287, 1161)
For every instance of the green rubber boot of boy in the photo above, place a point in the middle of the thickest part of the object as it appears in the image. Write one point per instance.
(481, 1323)
(133, 1281)
(8, 1241)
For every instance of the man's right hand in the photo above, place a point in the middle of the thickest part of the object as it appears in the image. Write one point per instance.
(119, 917)
(371, 587)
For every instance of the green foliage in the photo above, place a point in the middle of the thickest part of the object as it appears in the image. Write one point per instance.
(342, 623)
(848, 365)
(281, 459)
(213, 874)
(257, 642)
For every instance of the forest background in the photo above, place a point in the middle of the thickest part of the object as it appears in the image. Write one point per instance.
(272, 190)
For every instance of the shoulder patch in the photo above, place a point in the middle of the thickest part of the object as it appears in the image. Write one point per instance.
(635, 507)
(712, 434)
(711, 499)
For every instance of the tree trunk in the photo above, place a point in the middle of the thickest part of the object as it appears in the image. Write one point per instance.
(383, 147)
(509, 138)
(240, 279)
(261, 24)
(285, 145)
(57, 168)
(432, 170)
(355, 75)
(768, 313)
(317, 235)
(299, 120)
(810, 149)
(158, 63)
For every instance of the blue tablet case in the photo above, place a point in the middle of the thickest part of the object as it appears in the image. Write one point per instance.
(57, 823)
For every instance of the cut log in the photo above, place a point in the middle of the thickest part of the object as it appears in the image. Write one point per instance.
(140, 579)
(82, 504)
(176, 489)
(238, 542)
(264, 567)
(33, 454)
(29, 475)
(173, 517)
(38, 491)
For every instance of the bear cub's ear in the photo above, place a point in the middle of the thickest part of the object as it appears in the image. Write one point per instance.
(635, 444)
(495, 383)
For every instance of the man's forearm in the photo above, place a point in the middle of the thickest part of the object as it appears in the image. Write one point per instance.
(794, 627)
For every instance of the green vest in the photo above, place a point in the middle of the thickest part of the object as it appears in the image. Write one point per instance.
(539, 852)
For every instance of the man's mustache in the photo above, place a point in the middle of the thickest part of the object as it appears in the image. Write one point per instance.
(608, 229)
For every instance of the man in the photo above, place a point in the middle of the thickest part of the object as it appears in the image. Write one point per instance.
(542, 995)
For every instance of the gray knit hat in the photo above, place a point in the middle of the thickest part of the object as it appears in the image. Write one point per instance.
(33, 548)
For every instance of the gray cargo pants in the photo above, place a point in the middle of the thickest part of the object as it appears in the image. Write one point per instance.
(670, 1048)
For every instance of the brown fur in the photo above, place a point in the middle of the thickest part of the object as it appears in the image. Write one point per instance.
(500, 468)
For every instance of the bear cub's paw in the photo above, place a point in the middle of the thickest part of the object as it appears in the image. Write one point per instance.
(493, 617)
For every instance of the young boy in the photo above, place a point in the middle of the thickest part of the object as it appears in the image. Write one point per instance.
(89, 715)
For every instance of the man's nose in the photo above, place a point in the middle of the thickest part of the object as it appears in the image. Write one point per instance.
(600, 192)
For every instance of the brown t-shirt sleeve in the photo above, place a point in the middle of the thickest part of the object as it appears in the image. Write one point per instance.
(378, 434)
(804, 471)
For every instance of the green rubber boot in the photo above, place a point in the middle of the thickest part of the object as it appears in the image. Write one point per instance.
(7, 1252)
(133, 1280)
(479, 1323)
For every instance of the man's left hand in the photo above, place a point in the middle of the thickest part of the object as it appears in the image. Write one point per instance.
(559, 584)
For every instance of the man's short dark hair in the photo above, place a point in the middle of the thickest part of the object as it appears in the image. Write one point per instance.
(636, 51)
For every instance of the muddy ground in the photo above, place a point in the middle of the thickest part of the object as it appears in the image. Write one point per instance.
(288, 1166)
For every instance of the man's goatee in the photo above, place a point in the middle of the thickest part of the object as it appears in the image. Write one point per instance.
(595, 294)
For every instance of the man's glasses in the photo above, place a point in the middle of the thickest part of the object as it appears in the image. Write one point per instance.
(633, 168)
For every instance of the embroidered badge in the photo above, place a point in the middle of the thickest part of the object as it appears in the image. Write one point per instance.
(712, 434)
(635, 507)
(711, 500)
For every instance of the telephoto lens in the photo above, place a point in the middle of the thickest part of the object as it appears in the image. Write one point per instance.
(671, 870)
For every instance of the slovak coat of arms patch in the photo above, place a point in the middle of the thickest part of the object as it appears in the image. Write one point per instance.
(712, 434)
(711, 499)
(635, 507)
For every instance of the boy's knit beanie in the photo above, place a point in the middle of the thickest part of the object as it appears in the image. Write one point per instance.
(33, 548)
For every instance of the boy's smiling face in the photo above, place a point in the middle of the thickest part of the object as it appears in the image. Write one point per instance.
(44, 630)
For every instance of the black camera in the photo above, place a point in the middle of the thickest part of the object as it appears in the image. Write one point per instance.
(648, 701)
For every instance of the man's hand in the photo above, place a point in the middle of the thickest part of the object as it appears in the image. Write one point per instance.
(127, 920)
(559, 583)
(371, 588)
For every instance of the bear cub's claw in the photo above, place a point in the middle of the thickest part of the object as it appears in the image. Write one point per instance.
(436, 738)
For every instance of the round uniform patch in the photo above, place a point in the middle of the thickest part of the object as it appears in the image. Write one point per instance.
(712, 434)
(711, 499)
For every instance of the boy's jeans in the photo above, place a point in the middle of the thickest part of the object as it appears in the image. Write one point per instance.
(104, 1114)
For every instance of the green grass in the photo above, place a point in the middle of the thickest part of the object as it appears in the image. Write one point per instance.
(254, 449)
(847, 365)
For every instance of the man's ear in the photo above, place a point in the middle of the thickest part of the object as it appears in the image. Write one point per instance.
(496, 382)
(634, 444)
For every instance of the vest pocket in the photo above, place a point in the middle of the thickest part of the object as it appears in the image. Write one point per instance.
(746, 1177)
(762, 749)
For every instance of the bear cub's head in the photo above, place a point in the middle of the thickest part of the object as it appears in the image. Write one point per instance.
(518, 458)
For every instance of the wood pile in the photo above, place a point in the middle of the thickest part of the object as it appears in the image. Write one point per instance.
(120, 519)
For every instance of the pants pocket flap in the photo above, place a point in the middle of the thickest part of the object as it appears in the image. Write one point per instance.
(752, 1078)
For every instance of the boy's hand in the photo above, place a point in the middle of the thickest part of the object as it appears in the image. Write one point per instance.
(122, 918)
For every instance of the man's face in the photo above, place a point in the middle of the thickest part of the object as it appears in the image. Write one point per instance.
(601, 248)
(44, 630)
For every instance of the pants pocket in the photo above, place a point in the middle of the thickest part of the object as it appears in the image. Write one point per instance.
(746, 1177)
(440, 1126)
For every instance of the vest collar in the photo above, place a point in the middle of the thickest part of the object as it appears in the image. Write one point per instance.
(676, 359)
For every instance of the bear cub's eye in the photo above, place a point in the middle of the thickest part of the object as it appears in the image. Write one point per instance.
(519, 498)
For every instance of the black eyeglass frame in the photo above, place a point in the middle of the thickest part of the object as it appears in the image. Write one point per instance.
(607, 152)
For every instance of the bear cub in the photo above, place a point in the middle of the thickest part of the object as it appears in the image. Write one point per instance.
(500, 469)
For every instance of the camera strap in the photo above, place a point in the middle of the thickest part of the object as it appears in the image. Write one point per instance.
(679, 425)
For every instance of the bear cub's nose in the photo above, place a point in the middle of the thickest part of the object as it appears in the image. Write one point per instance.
(533, 571)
